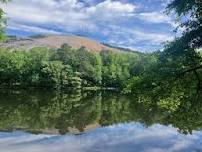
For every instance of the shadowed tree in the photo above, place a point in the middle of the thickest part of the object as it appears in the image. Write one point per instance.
(183, 49)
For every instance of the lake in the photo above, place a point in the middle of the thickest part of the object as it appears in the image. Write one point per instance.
(42, 120)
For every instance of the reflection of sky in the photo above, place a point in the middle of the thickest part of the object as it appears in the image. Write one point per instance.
(131, 137)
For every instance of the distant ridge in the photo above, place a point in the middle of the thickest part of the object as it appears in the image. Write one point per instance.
(55, 42)
(119, 48)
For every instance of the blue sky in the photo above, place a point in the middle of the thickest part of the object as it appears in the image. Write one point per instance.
(137, 24)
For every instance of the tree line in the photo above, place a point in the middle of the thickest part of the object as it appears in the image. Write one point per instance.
(66, 68)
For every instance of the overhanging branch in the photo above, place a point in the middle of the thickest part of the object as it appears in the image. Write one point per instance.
(192, 69)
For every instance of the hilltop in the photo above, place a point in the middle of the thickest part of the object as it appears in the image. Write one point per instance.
(55, 42)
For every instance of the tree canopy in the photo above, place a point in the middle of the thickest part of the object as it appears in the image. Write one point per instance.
(189, 16)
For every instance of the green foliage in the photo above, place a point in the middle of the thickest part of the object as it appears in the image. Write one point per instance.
(192, 10)
(11, 66)
(88, 64)
(182, 52)
(67, 68)
(55, 74)
(118, 68)
(2, 21)
(174, 76)
(172, 102)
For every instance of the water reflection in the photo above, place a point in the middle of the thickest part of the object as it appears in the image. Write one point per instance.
(117, 138)
(59, 113)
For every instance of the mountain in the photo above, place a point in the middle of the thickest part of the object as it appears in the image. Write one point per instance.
(55, 41)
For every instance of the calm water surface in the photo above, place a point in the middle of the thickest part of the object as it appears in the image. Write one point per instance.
(45, 121)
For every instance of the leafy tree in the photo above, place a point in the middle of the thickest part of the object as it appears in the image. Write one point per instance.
(181, 53)
(115, 69)
(11, 67)
(52, 74)
(2, 21)
(35, 59)
(88, 64)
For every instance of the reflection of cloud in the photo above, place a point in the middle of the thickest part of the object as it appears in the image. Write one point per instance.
(124, 137)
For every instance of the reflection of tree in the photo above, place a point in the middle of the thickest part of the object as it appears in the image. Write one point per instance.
(188, 117)
(39, 111)
(48, 110)
(115, 109)
(80, 114)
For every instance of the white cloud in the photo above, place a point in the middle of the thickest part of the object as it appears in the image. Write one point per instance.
(109, 6)
(63, 13)
(133, 38)
(110, 11)
(70, 14)
(155, 17)
(159, 18)
(154, 37)
(33, 29)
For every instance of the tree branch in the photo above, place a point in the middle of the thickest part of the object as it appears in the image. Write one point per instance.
(192, 69)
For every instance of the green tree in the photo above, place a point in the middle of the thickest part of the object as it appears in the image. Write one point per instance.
(88, 64)
(11, 67)
(2, 21)
(56, 75)
(181, 53)
(35, 59)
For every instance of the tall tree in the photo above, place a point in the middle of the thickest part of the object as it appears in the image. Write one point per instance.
(183, 50)
(192, 11)
(2, 20)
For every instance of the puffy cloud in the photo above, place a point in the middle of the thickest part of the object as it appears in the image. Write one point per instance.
(136, 39)
(112, 7)
(155, 17)
(69, 13)
(46, 12)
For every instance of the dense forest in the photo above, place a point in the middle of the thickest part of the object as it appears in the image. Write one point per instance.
(70, 68)
(170, 77)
